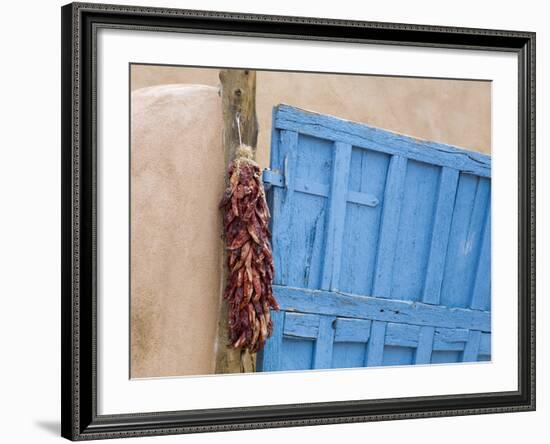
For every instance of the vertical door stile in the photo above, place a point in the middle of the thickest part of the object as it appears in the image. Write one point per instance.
(393, 198)
(325, 343)
(336, 214)
(271, 359)
(471, 350)
(482, 285)
(425, 345)
(476, 231)
(375, 346)
(440, 237)
(283, 202)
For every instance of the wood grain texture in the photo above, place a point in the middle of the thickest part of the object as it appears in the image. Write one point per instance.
(368, 307)
(301, 325)
(238, 92)
(393, 200)
(425, 345)
(414, 231)
(283, 206)
(440, 237)
(375, 350)
(352, 330)
(323, 346)
(270, 358)
(336, 213)
(471, 350)
(481, 296)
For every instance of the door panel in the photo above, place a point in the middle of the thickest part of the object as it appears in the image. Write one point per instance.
(381, 245)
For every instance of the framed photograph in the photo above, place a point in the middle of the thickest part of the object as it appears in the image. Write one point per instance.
(278, 221)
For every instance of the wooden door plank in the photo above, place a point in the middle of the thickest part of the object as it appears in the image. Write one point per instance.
(375, 346)
(352, 330)
(325, 342)
(450, 339)
(301, 325)
(481, 296)
(283, 207)
(440, 238)
(425, 345)
(415, 231)
(465, 241)
(471, 350)
(336, 216)
(485, 344)
(393, 197)
(402, 335)
(271, 355)
(368, 172)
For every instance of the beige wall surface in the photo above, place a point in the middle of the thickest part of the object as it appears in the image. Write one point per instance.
(177, 164)
(178, 172)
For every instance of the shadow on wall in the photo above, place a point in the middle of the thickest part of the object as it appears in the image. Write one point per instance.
(52, 427)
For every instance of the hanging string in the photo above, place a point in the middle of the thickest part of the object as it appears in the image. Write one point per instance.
(238, 119)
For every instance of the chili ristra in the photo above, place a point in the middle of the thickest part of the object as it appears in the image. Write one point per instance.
(248, 290)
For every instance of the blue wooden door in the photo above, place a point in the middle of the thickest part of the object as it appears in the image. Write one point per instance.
(382, 247)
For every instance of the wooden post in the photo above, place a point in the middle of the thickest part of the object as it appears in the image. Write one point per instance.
(238, 92)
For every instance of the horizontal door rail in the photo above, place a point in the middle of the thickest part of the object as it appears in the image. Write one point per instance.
(273, 178)
(334, 303)
(364, 136)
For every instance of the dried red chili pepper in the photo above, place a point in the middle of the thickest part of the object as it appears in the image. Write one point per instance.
(248, 289)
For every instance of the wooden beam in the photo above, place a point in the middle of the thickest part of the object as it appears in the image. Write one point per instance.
(238, 92)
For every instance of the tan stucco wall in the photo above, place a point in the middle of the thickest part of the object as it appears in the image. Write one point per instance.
(177, 179)
(177, 163)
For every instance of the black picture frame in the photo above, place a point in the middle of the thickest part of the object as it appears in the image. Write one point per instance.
(80, 420)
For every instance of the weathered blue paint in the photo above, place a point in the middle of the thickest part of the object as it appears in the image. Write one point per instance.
(471, 350)
(376, 344)
(481, 297)
(332, 303)
(270, 358)
(368, 137)
(324, 343)
(352, 330)
(389, 230)
(425, 345)
(271, 178)
(440, 236)
(283, 203)
(368, 173)
(381, 245)
(301, 325)
(465, 240)
(414, 228)
(335, 213)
